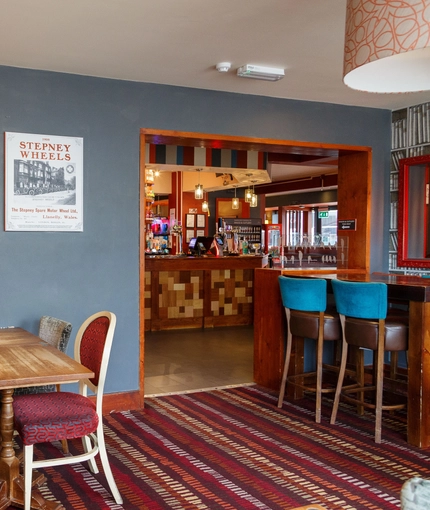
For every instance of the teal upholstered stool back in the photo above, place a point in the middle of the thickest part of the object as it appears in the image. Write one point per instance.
(307, 295)
(362, 300)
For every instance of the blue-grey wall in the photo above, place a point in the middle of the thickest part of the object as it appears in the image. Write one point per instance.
(72, 275)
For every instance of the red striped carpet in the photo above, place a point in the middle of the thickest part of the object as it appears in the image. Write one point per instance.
(234, 449)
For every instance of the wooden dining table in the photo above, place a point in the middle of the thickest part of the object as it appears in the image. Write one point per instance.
(269, 329)
(26, 360)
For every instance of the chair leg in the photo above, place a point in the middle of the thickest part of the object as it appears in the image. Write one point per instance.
(28, 470)
(106, 466)
(286, 362)
(65, 445)
(359, 371)
(394, 361)
(64, 442)
(320, 348)
(341, 373)
(379, 381)
(86, 443)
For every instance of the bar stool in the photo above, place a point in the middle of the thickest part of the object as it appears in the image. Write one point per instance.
(305, 303)
(362, 308)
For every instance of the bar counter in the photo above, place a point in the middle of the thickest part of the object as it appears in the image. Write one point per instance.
(269, 330)
(199, 292)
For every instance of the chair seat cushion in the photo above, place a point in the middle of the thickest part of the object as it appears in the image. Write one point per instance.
(47, 417)
(305, 324)
(364, 333)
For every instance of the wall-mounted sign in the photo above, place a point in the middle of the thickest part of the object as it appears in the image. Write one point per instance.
(347, 225)
(322, 214)
(43, 183)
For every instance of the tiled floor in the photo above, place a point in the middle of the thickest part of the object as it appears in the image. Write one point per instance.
(189, 359)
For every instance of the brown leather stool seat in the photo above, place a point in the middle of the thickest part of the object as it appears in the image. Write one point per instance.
(306, 324)
(398, 315)
(365, 334)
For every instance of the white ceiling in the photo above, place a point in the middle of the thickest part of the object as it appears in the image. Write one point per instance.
(179, 42)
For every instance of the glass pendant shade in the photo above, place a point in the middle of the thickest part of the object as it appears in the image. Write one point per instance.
(205, 206)
(235, 201)
(254, 200)
(248, 195)
(198, 192)
(387, 46)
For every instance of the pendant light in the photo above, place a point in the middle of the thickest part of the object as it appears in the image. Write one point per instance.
(205, 205)
(248, 195)
(198, 191)
(254, 199)
(235, 200)
(248, 192)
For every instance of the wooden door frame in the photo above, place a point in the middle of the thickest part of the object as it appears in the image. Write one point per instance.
(354, 184)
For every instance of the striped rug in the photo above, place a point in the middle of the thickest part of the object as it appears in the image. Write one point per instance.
(234, 449)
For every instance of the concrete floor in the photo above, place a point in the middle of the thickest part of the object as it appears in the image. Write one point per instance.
(183, 360)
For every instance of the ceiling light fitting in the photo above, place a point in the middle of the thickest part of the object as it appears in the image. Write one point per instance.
(235, 201)
(198, 190)
(248, 195)
(260, 72)
(387, 46)
(248, 191)
(254, 199)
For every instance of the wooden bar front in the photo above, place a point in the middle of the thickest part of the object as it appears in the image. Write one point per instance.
(199, 292)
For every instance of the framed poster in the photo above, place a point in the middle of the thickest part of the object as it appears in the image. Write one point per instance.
(200, 233)
(190, 220)
(43, 183)
(189, 235)
(201, 221)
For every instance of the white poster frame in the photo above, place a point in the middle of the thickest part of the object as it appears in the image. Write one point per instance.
(43, 183)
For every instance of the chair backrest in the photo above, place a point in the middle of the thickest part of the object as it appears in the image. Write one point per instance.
(92, 349)
(304, 294)
(55, 331)
(362, 300)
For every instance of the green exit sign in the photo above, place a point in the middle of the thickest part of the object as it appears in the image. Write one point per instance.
(322, 214)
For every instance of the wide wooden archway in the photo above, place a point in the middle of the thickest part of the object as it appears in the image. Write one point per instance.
(354, 183)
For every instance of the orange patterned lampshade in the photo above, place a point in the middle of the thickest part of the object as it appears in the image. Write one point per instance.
(387, 45)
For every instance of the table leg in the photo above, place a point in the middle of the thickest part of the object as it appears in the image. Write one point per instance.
(11, 482)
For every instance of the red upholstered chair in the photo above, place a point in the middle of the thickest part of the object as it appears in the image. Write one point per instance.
(56, 416)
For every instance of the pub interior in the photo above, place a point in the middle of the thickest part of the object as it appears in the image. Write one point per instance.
(198, 200)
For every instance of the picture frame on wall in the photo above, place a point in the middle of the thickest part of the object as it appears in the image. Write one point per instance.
(200, 233)
(201, 221)
(189, 235)
(43, 183)
(190, 220)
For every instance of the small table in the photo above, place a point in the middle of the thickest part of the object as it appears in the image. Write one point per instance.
(26, 360)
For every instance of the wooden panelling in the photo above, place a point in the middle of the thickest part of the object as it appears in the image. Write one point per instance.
(354, 204)
(188, 292)
(269, 328)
